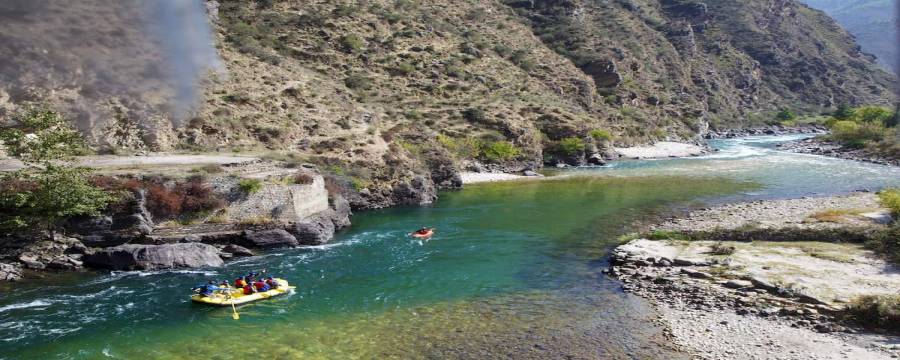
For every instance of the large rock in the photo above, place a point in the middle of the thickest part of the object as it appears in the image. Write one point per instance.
(152, 257)
(418, 191)
(269, 239)
(315, 230)
(10, 272)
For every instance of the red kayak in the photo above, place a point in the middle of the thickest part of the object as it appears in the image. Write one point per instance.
(423, 233)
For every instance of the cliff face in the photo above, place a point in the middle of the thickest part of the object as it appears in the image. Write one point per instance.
(393, 96)
(872, 23)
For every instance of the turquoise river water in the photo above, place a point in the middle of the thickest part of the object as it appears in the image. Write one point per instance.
(513, 272)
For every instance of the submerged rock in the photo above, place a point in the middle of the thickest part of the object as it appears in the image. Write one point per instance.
(152, 257)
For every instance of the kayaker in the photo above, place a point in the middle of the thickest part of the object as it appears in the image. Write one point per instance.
(423, 233)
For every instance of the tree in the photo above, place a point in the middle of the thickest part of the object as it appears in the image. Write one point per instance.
(786, 115)
(49, 188)
(843, 112)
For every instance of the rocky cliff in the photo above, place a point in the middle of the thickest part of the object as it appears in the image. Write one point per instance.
(393, 97)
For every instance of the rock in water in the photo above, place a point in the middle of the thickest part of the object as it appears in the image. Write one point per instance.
(237, 250)
(152, 257)
(269, 239)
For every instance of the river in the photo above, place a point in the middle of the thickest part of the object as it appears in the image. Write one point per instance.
(514, 271)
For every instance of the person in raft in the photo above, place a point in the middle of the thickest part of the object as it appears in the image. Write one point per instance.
(208, 289)
(423, 233)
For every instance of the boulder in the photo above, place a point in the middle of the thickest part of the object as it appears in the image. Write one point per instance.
(315, 230)
(237, 250)
(418, 191)
(152, 257)
(10, 272)
(738, 284)
(269, 239)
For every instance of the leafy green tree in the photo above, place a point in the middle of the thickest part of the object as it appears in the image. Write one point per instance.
(786, 115)
(873, 115)
(50, 187)
(843, 112)
(601, 135)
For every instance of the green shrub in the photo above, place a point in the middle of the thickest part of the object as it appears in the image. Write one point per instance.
(843, 112)
(464, 148)
(474, 115)
(666, 235)
(50, 188)
(601, 135)
(502, 50)
(500, 151)
(890, 199)
(854, 134)
(249, 186)
(882, 311)
(571, 145)
(237, 98)
(352, 43)
(873, 115)
(785, 115)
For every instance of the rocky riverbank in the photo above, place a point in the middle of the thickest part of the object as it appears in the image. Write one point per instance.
(764, 299)
(173, 218)
(824, 147)
(772, 130)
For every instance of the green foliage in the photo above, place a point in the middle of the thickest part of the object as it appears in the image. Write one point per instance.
(890, 198)
(237, 98)
(601, 135)
(522, 59)
(571, 145)
(853, 134)
(500, 151)
(249, 186)
(872, 115)
(786, 115)
(882, 311)
(463, 148)
(49, 188)
(41, 135)
(351, 43)
(843, 112)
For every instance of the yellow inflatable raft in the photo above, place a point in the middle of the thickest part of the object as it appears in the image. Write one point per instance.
(237, 297)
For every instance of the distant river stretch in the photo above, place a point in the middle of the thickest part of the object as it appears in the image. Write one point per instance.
(513, 272)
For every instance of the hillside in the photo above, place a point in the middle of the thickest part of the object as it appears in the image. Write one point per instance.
(870, 21)
(396, 96)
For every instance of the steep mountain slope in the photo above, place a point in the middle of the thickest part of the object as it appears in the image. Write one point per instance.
(394, 96)
(872, 22)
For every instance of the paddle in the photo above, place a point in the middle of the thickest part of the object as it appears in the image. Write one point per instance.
(235, 315)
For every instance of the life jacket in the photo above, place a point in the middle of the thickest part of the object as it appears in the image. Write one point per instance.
(248, 289)
(239, 283)
(261, 286)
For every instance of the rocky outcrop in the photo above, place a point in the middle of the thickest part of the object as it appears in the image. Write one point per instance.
(10, 272)
(268, 239)
(417, 191)
(820, 146)
(153, 257)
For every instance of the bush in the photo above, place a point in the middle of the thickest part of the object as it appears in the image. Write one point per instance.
(237, 98)
(881, 311)
(464, 148)
(249, 186)
(184, 198)
(403, 69)
(601, 135)
(843, 112)
(358, 82)
(474, 115)
(872, 115)
(351, 43)
(571, 146)
(890, 199)
(785, 115)
(500, 151)
(855, 134)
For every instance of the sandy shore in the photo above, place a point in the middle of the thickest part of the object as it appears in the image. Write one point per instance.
(474, 177)
(763, 299)
(663, 149)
